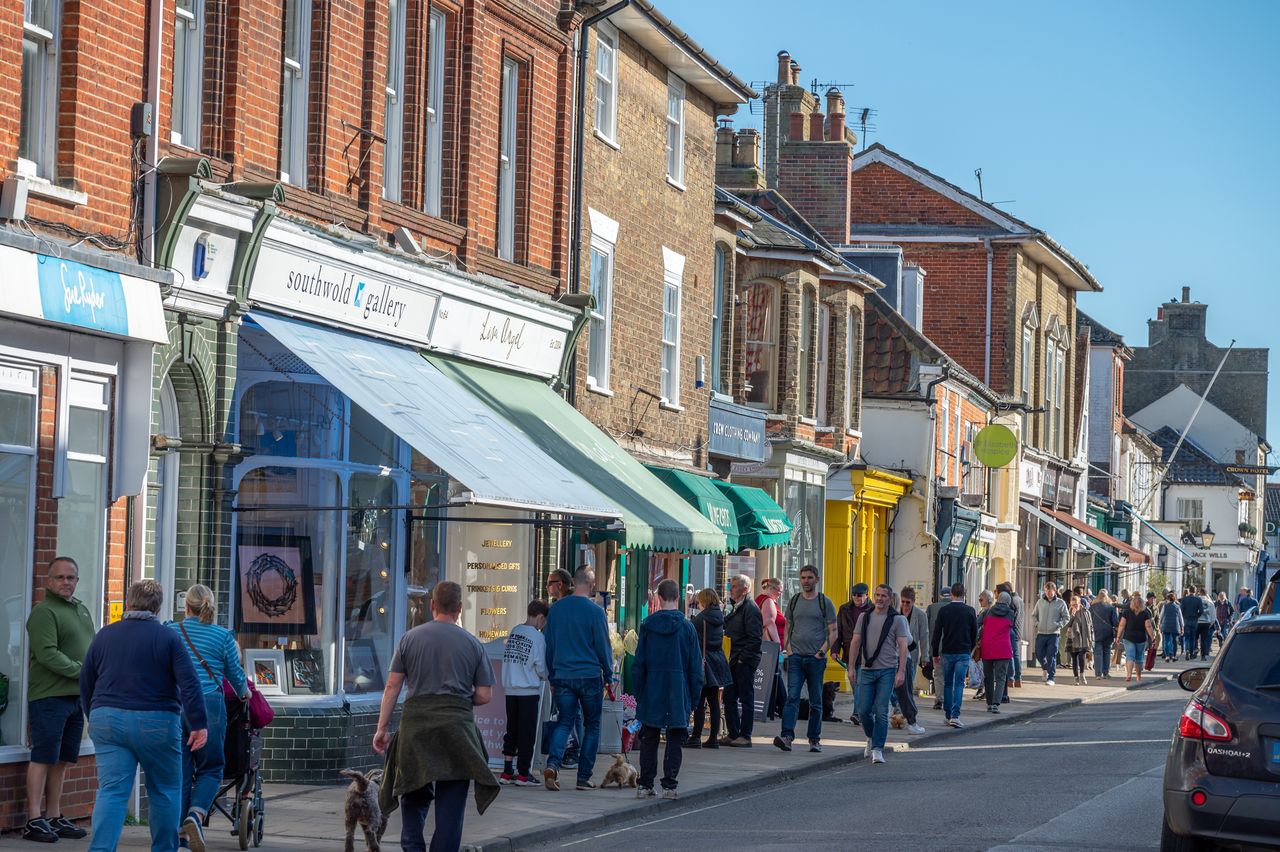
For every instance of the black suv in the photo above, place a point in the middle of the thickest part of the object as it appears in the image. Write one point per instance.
(1222, 776)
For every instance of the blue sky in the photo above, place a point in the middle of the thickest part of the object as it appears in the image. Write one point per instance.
(1143, 136)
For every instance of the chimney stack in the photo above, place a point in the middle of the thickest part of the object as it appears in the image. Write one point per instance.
(835, 115)
(795, 73)
(795, 126)
(724, 142)
(784, 67)
(816, 124)
(746, 149)
(1186, 295)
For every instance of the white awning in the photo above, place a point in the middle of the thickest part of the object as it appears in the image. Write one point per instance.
(1073, 535)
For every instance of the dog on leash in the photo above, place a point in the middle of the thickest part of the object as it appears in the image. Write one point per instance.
(361, 806)
(897, 721)
(622, 773)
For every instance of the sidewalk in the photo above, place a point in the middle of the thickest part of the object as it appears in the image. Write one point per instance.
(307, 816)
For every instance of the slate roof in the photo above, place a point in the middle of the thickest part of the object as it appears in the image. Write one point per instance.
(1271, 504)
(1193, 466)
(1098, 333)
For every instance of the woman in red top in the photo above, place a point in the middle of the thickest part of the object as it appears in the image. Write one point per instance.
(996, 648)
(775, 630)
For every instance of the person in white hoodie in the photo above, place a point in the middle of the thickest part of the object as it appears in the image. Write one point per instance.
(524, 669)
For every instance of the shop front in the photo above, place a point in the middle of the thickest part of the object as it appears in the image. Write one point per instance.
(957, 526)
(736, 436)
(77, 337)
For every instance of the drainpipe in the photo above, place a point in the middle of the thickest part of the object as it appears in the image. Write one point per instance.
(986, 369)
(153, 141)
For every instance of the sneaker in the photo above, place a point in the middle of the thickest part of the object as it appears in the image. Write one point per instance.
(915, 729)
(506, 778)
(669, 794)
(854, 720)
(866, 750)
(955, 723)
(1049, 682)
(525, 781)
(937, 705)
(551, 779)
(193, 833)
(994, 708)
(585, 784)
(692, 742)
(67, 829)
(877, 755)
(815, 746)
(40, 831)
(740, 742)
(569, 763)
(783, 743)
(644, 793)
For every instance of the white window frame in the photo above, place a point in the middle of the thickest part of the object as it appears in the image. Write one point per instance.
(669, 364)
(295, 78)
(39, 157)
(1059, 401)
(606, 112)
(393, 129)
(103, 459)
(1193, 519)
(1028, 362)
(1050, 392)
(188, 30)
(946, 438)
(508, 152)
(959, 448)
(820, 377)
(601, 316)
(437, 27)
(675, 130)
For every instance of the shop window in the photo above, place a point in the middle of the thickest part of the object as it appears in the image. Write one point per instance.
(82, 513)
(425, 566)
(369, 605)
(295, 80)
(675, 129)
(434, 171)
(37, 121)
(804, 504)
(760, 344)
(164, 553)
(188, 71)
(18, 411)
(393, 165)
(369, 442)
(606, 82)
(294, 419)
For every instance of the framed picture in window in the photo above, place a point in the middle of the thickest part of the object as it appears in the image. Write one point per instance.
(364, 672)
(275, 582)
(265, 669)
(304, 671)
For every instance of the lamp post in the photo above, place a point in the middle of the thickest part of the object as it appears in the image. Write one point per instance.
(1206, 542)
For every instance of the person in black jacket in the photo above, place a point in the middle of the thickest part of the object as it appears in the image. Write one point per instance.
(744, 626)
(709, 625)
(1105, 621)
(1192, 607)
(951, 640)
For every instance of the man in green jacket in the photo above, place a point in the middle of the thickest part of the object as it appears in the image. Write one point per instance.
(59, 630)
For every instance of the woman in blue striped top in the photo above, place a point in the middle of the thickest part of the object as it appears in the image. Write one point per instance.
(215, 655)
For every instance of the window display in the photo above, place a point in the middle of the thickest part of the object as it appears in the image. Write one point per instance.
(17, 499)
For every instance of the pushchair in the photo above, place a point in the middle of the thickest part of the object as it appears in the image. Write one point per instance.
(240, 797)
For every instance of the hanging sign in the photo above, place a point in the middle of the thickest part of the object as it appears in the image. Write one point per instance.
(995, 445)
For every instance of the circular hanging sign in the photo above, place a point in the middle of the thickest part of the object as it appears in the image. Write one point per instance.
(995, 445)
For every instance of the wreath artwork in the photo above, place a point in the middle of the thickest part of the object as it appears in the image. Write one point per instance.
(281, 603)
(276, 586)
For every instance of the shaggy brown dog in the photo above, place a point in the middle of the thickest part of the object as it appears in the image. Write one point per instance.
(361, 806)
(622, 773)
(897, 721)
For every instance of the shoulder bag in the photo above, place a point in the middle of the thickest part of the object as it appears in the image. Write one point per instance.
(261, 713)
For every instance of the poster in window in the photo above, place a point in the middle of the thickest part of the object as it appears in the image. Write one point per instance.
(304, 670)
(275, 582)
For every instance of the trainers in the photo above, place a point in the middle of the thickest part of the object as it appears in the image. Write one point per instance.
(585, 784)
(67, 829)
(644, 793)
(854, 720)
(937, 705)
(866, 750)
(783, 743)
(525, 781)
(668, 794)
(1050, 682)
(740, 742)
(877, 755)
(193, 833)
(994, 708)
(506, 778)
(915, 729)
(551, 779)
(692, 742)
(40, 831)
(815, 746)
(955, 723)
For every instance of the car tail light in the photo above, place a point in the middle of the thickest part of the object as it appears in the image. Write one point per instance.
(1197, 723)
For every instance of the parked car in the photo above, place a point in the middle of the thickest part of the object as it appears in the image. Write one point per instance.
(1222, 775)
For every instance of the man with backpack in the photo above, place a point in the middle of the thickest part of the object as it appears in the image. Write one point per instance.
(811, 633)
(880, 642)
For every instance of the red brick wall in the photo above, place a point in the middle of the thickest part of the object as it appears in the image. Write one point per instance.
(885, 196)
(77, 792)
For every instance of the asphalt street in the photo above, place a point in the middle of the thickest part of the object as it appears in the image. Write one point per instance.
(1084, 778)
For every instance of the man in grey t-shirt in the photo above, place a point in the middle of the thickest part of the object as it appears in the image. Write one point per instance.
(811, 631)
(880, 641)
(440, 658)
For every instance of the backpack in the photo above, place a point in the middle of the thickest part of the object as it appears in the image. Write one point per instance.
(791, 606)
(890, 615)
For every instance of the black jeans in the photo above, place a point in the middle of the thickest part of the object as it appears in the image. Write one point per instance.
(710, 698)
(740, 701)
(451, 806)
(1204, 633)
(906, 696)
(995, 676)
(522, 730)
(1079, 666)
(671, 756)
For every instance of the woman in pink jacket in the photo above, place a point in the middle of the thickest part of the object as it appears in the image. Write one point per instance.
(995, 644)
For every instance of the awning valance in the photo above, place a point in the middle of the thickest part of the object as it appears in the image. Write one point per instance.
(1127, 550)
(762, 523)
(702, 493)
(1071, 533)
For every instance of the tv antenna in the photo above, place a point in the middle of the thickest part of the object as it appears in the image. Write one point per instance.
(978, 174)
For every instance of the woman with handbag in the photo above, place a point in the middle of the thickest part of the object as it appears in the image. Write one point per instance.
(1135, 632)
(709, 625)
(216, 657)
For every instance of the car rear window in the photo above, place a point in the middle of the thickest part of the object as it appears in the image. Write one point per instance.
(1253, 660)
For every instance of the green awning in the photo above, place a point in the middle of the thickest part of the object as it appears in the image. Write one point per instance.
(701, 493)
(653, 516)
(761, 521)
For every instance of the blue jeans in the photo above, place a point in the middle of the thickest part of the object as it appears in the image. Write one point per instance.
(451, 806)
(1102, 658)
(955, 668)
(874, 688)
(202, 770)
(123, 739)
(1047, 653)
(803, 670)
(1170, 648)
(1016, 642)
(569, 696)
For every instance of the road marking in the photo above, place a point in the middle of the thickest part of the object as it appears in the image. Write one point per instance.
(650, 822)
(909, 748)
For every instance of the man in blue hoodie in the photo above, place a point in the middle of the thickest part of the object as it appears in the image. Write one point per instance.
(579, 665)
(667, 674)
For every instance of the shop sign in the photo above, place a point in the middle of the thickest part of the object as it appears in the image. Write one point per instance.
(1250, 469)
(306, 284)
(736, 432)
(494, 559)
(995, 446)
(483, 333)
(1031, 479)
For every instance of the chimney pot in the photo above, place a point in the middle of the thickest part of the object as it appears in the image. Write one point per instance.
(746, 149)
(835, 101)
(835, 127)
(795, 73)
(1186, 295)
(816, 123)
(784, 67)
(1160, 313)
(795, 127)
(724, 143)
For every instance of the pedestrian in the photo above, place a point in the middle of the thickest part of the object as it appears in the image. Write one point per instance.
(846, 617)
(524, 671)
(918, 625)
(135, 685)
(709, 625)
(879, 642)
(1105, 621)
(811, 633)
(59, 631)
(215, 656)
(743, 626)
(1192, 607)
(559, 585)
(1015, 636)
(1153, 605)
(1245, 601)
(953, 636)
(1080, 639)
(667, 675)
(985, 599)
(1171, 627)
(1223, 612)
(935, 672)
(580, 666)
(1204, 630)
(995, 647)
(775, 628)
(1048, 619)
(437, 751)
(1135, 631)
